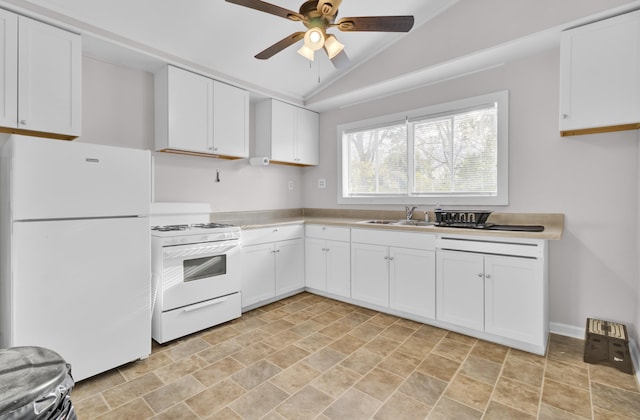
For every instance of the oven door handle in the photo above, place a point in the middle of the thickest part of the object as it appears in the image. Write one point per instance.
(206, 304)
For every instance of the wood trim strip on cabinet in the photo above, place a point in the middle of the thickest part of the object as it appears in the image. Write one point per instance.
(596, 130)
(33, 133)
(209, 155)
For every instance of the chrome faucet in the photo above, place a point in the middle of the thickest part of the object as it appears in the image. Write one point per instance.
(409, 211)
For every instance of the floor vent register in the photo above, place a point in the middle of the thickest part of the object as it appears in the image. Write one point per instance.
(607, 343)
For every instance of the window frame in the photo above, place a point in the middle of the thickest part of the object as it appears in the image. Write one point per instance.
(501, 198)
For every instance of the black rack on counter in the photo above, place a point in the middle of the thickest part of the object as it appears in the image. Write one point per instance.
(477, 219)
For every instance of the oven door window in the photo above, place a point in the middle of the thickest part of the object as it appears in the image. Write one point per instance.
(202, 268)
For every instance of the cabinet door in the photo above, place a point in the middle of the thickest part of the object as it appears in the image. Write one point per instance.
(412, 281)
(289, 266)
(599, 68)
(308, 132)
(315, 263)
(8, 69)
(190, 102)
(49, 78)
(283, 132)
(460, 289)
(370, 273)
(338, 268)
(514, 298)
(258, 273)
(230, 120)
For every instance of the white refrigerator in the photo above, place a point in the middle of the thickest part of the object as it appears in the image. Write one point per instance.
(75, 251)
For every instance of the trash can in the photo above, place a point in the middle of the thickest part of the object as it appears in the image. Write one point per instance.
(35, 383)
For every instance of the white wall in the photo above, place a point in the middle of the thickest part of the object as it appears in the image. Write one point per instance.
(118, 110)
(592, 179)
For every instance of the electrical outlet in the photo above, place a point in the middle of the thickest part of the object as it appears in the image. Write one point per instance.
(290, 185)
(322, 183)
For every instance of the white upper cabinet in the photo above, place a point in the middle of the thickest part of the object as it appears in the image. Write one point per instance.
(41, 78)
(200, 116)
(286, 133)
(9, 69)
(600, 76)
(230, 120)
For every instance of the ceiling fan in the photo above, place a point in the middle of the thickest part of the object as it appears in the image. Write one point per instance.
(318, 16)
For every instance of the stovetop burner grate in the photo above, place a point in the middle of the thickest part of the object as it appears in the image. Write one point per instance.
(169, 228)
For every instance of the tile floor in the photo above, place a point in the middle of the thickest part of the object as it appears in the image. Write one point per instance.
(310, 357)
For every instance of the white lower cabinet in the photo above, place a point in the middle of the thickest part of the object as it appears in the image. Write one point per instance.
(394, 269)
(370, 273)
(328, 260)
(272, 263)
(258, 274)
(499, 295)
(460, 289)
(289, 265)
(412, 281)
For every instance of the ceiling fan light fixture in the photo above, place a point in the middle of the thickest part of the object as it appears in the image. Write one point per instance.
(332, 46)
(306, 52)
(314, 39)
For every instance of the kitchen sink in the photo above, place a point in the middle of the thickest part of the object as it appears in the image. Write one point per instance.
(413, 223)
(398, 222)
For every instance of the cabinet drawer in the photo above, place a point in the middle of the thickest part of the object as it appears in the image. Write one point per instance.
(271, 234)
(394, 238)
(181, 321)
(333, 233)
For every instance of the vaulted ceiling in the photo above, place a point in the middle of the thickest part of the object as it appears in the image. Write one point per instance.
(220, 39)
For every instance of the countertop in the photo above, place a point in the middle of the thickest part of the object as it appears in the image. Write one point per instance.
(553, 224)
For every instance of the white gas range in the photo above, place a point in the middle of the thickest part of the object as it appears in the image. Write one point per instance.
(196, 270)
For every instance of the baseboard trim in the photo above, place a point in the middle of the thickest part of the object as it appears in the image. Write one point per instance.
(579, 332)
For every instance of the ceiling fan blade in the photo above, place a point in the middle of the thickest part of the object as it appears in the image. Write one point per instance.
(341, 61)
(375, 23)
(269, 8)
(280, 45)
(329, 7)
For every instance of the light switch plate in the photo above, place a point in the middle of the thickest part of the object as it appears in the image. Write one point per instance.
(322, 183)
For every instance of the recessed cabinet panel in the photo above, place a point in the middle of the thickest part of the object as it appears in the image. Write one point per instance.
(258, 274)
(412, 281)
(190, 103)
(600, 76)
(370, 273)
(231, 120)
(460, 289)
(513, 298)
(8, 69)
(41, 77)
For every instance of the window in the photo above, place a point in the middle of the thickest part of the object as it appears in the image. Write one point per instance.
(453, 153)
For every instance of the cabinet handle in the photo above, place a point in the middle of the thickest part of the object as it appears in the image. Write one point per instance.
(565, 116)
(390, 258)
(327, 249)
(215, 149)
(386, 258)
(480, 275)
(23, 122)
(324, 228)
(488, 276)
(275, 230)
